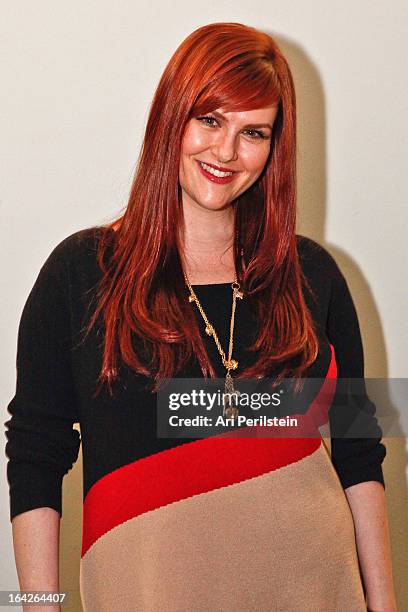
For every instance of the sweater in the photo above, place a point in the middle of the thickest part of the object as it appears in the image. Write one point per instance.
(130, 475)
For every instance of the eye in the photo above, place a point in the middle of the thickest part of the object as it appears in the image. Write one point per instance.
(207, 120)
(257, 135)
(253, 134)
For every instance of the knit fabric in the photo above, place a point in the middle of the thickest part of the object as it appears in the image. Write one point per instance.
(221, 523)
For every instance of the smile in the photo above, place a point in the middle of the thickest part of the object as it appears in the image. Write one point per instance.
(214, 175)
(214, 171)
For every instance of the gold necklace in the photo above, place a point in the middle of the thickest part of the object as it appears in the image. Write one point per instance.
(230, 394)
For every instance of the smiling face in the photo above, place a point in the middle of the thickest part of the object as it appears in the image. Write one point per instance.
(223, 154)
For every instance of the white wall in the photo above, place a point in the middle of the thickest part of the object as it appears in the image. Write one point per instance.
(77, 79)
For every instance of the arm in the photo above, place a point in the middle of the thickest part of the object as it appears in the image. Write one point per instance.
(42, 444)
(368, 505)
(36, 550)
(358, 460)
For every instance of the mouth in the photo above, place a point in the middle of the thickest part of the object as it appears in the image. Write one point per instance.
(216, 174)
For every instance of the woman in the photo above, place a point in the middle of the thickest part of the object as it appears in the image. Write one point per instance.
(221, 523)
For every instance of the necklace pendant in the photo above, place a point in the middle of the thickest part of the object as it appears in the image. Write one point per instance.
(230, 399)
(209, 330)
(230, 412)
(191, 298)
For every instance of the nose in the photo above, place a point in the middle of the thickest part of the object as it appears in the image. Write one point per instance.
(224, 147)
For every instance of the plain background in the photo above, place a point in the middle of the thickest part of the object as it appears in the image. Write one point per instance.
(77, 79)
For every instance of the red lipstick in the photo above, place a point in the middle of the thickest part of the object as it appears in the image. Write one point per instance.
(221, 180)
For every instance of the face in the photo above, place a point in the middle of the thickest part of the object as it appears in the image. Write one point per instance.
(223, 154)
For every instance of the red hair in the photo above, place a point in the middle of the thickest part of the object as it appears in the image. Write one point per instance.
(142, 293)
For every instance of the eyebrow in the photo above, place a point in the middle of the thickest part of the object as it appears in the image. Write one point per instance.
(249, 125)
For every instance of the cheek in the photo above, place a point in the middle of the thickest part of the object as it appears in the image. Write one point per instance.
(194, 141)
(255, 156)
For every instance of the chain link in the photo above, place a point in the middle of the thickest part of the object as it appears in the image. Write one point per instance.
(229, 364)
(230, 411)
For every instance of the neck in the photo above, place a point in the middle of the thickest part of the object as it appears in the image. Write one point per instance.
(207, 240)
(207, 231)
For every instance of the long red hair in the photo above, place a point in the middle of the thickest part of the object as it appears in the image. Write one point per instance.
(149, 322)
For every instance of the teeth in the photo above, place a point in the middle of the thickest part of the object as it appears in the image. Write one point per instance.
(215, 172)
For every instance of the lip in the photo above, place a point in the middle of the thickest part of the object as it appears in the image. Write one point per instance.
(220, 180)
(220, 168)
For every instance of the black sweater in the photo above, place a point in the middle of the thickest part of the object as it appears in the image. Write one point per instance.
(56, 376)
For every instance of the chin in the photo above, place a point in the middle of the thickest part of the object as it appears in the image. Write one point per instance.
(209, 202)
(214, 205)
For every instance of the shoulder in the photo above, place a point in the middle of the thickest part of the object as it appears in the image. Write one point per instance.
(310, 251)
(71, 263)
(315, 260)
(78, 245)
(76, 251)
